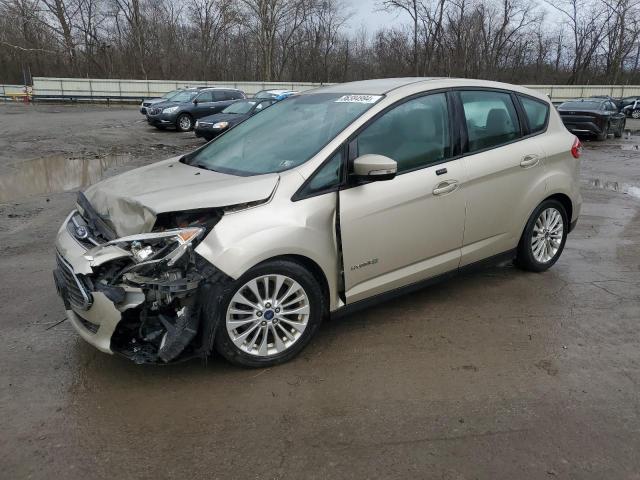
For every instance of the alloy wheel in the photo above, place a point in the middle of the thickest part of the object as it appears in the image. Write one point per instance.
(185, 123)
(547, 235)
(267, 315)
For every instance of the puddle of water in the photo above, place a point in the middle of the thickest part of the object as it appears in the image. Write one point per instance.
(630, 147)
(627, 188)
(54, 175)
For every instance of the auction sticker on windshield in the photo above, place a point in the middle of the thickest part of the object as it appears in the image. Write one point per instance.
(359, 99)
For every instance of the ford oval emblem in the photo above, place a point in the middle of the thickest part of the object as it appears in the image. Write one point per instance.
(81, 232)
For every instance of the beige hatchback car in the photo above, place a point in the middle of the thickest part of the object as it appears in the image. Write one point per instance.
(323, 203)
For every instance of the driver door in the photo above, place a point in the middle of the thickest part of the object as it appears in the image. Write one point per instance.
(410, 228)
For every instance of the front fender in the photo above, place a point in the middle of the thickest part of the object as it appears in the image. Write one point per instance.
(305, 228)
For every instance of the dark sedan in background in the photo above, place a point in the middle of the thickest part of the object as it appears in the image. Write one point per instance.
(182, 110)
(593, 116)
(213, 125)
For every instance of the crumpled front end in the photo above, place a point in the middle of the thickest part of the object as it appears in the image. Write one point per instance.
(138, 295)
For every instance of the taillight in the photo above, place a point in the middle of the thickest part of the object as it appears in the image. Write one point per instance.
(576, 148)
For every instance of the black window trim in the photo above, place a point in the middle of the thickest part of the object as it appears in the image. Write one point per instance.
(519, 115)
(348, 146)
(526, 118)
(458, 135)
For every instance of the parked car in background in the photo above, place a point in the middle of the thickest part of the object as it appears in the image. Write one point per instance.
(213, 125)
(592, 116)
(167, 96)
(182, 110)
(274, 94)
(632, 109)
(616, 101)
(322, 204)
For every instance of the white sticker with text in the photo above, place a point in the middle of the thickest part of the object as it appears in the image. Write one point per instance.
(359, 99)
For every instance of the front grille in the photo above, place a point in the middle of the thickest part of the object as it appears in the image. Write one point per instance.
(76, 291)
(82, 232)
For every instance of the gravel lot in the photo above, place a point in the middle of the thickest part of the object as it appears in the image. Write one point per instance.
(497, 375)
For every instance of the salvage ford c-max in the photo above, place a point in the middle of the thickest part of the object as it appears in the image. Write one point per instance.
(324, 202)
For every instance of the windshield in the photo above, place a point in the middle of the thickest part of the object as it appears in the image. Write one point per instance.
(239, 107)
(171, 93)
(581, 106)
(184, 96)
(284, 135)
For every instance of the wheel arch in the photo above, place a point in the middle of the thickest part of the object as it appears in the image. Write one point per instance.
(313, 267)
(564, 200)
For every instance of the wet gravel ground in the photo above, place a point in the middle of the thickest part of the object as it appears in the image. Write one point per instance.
(498, 374)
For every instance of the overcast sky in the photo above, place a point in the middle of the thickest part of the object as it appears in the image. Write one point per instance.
(365, 14)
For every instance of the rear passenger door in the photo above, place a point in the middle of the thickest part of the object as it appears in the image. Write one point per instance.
(504, 161)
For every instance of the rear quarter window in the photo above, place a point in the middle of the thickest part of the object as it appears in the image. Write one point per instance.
(537, 113)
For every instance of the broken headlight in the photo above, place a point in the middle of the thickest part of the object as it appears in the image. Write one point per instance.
(168, 246)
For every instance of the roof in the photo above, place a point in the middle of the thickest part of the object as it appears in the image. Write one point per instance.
(374, 87)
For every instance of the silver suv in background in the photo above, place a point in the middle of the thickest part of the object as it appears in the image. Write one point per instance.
(324, 203)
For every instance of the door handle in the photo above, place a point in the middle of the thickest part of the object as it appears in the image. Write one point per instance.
(445, 187)
(529, 161)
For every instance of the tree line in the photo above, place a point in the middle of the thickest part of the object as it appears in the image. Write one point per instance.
(554, 41)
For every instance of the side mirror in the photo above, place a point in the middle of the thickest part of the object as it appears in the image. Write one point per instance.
(374, 168)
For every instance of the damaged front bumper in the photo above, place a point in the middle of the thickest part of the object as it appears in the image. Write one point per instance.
(136, 303)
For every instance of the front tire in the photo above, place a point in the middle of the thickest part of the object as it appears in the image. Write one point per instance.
(184, 122)
(620, 131)
(635, 114)
(268, 315)
(604, 134)
(543, 238)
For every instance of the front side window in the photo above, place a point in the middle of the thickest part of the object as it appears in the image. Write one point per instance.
(415, 134)
(537, 113)
(491, 119)
(283, 136)
(205, 97)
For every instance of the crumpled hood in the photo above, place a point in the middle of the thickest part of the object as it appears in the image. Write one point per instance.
(131, 201)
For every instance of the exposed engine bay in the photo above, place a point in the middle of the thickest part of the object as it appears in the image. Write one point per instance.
(155, 279)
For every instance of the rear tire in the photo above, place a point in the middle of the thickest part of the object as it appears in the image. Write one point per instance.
(544, 237)
(620, 131)
(280, 336)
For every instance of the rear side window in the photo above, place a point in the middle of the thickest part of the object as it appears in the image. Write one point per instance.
(220, 96)
(235, 95)
(491, 119)
(537, 113)
(415, 134)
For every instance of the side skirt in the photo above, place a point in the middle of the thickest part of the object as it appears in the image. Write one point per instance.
(398, 292)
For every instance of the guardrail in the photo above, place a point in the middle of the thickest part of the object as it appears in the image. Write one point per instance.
(122, 90)
(11, 91)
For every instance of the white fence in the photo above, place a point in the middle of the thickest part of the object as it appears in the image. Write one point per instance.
(137, 89)
(118, 90)
(7, 91)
